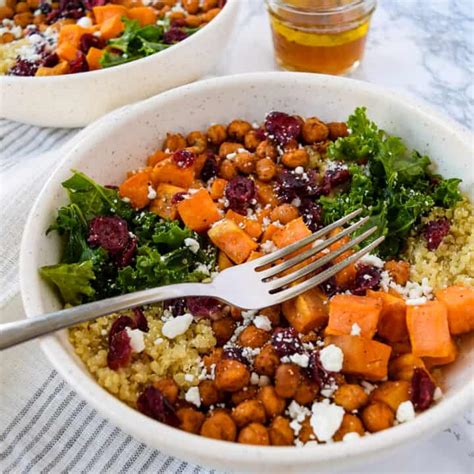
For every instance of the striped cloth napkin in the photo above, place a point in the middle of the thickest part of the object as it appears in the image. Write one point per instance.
(45, 426)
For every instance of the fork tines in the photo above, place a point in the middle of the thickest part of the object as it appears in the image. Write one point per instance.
(279, 287)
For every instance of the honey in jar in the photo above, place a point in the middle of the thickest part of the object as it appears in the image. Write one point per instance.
(324, 36)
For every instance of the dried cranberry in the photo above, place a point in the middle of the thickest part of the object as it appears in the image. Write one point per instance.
(51, 60)
(316, 371)
(209, 170)
(24, 68)
(235, 353)
(45, 7)
(120, 350)
(204, 307)
(239, 192)
(287, 342)
(126, 256)
(367, 278)
(177, 306)
(109, 232)
(221, 3)
(175, 34)
(178, 197)
(311, 213)
(140, 319)
(119, 325)
(184, 158)
(89, 41)
(152, 403)
(335, 177)
(422, 389)
(291, 185)
(435, 231)
(79, 64)
(261, 134)
(90, 4)
(71, 9)
(329, 287)
(282, 127)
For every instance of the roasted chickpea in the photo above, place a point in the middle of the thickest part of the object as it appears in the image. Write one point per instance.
(253, 337)
(237, 129)
(6, 38)
(295, 158)
(273, 404)
(272, 313)
(266, 149)
(306, 391)
(266, 169)
(216, 134)
(251, 140)
(392, 393)
(227, 170)
(174, 141)
(231, 375)
(191, 6)
(350, 397)
(306, 433)
(377, 417)
(209, 393)
(223, 329)
(219, 425)
(350, 424)
(402, 367)
(314, 130)
(11, 3)
(193, 21)
(246, 393)
(33, 4)
(168, 388)
(337, 130)
(284, 213)
(214, 357)
(6, 12)
(208, 4)
(280, 432)
(255, 433)
(209, 15)
(267, 361)
(249, 411)
(228, 148)
(23, 19)
(197, 140)
(236, 314)
(287, 380)
(22, 7)
(245, 162)
(190, 420)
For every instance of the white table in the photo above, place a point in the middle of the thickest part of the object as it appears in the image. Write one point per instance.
(421, 48)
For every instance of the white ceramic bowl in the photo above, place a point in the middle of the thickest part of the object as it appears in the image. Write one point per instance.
(122, 141)
(75, 100)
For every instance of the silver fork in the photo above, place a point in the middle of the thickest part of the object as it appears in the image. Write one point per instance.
(252, 285)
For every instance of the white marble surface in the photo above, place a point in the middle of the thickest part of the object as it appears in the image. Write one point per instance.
(421, 48)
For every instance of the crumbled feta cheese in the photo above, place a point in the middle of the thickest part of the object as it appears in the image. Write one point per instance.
(368, 387)
(296, 202)
(151, 193)
(331, 358)
(260, 380)
(299, 170)
(137, 342)
(103, 332)
(85, 22)
(298, 359)
(158, 341)
(193, 396)
(352, 436)
(438, 394)
(189, 377)
(262, 322)
(372, 260)
(268, 246)
(405, 412)
(192, 244)
(177, 326)
(416, 301)
(355, 330)
(297, 413)
(326, 419)
(202, 268)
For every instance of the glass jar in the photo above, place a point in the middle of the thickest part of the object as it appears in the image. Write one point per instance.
(325, 36)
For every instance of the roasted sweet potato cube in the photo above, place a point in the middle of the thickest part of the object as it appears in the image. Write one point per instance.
(292, 232)
(232, 240)
(364, 357)
(428, 329)
(460, 303)
(392, 322)
(347, 310)
(269, 232)
(252, 227)
(437, 361)
(307, 311)
(399, 271)
(392, 393)
(199, 211)
(218, 188)
(266, 194)
(167, 171)
(223, 261)
(163, 203)
(135, 188)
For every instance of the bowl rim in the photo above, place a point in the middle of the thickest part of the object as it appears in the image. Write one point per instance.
(178, 442)
(230, 8)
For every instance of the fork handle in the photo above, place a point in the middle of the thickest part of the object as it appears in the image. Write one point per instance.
(17, 332)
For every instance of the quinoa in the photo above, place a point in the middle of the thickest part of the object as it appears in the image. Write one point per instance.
(453, 261)
(161, 357)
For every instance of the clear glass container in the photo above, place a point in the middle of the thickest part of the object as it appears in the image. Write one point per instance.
(324, 36)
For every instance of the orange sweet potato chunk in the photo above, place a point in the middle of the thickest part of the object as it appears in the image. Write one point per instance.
(218, 188)
(460, 303)
(223, 261)
(346, 310)
(93, 58)
(163, 203)
(112, 27)
(144, 15)
(232, 240)
(167, 171)
(363, 357)
(292, 232)
(156, 157)
(105, 12)
(72, 34)
(437, 361)
(307, 311)
(428, 329)
(199, 211)
(135, 188)
(253, 228)
(392, 322)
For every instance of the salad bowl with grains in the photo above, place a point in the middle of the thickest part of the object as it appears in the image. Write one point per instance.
(252, 164)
